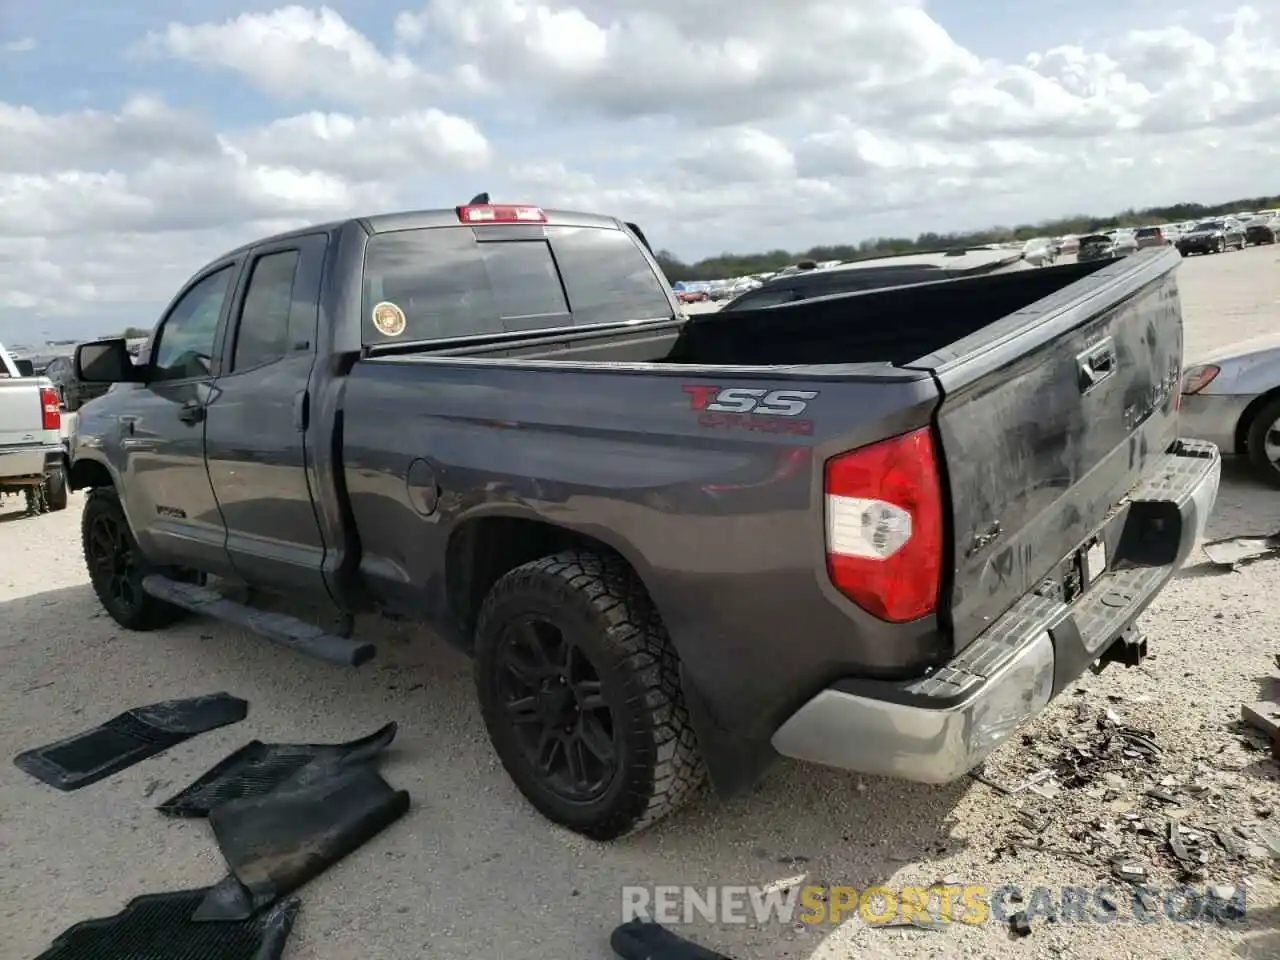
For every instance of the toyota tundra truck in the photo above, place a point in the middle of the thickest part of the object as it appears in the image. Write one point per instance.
(877, 530)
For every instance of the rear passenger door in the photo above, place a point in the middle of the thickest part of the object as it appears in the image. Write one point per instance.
(255, 433)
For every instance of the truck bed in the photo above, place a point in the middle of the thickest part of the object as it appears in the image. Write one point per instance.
(894, 326)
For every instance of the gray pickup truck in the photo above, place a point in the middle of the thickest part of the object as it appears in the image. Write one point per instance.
(875, 531)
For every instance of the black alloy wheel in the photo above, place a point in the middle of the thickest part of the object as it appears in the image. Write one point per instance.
(109, 554)
(551, 692)
(116, 566)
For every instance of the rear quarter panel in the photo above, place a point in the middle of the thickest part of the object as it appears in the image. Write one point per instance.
(724, 524)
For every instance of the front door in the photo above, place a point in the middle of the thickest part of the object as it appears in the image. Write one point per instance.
(255, 437)
(168, 496)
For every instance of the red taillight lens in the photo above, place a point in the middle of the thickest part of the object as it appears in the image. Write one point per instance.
(884, 526)
(50, 411)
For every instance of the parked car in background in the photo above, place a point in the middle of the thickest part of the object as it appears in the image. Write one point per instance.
(73, 393)
(1212, 236)
(1232, 398)
(1098, 246)
(1040, 251)
(1151, 237)
(32, 457)
(1125, 241)
(1262, 230)
(873, 274)
(1068, 244)
(692, 296)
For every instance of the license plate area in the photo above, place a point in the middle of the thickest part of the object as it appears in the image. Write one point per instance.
(1077, 572)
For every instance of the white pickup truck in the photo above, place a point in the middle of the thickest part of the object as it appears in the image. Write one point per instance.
(32, 456)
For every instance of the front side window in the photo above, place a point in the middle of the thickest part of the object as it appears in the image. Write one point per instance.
(185, 347)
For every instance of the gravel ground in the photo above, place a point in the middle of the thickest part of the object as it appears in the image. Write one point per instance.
(473, 872)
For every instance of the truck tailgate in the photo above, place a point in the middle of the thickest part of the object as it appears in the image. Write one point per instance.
(1049, 418)
(20, 415)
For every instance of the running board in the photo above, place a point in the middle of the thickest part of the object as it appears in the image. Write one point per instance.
(279, 627)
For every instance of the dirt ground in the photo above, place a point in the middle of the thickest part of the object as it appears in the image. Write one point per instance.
(473, 872)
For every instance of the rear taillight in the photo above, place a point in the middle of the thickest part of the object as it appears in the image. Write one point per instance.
(1197, 378)
(884, 526)
(50, 411)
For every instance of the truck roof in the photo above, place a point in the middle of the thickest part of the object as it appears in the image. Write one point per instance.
(420, 219)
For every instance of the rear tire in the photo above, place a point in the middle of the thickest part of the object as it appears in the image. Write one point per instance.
(116, 565)
(580, 692)
(55, 489)
(1263, 443)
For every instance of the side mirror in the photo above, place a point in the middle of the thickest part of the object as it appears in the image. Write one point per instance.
(26, 368)
(105, 361)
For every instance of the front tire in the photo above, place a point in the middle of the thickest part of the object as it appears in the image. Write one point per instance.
(116, 565)
(580, 692)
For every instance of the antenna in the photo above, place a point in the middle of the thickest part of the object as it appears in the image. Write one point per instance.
(479, 199)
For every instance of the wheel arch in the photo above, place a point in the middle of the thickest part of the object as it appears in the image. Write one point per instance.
(85, 473)
(485, 547)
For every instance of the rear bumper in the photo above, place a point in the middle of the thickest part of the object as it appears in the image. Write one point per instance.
(937, 728)
(19, 464)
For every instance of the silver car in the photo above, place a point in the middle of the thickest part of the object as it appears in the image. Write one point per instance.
(1232, 397)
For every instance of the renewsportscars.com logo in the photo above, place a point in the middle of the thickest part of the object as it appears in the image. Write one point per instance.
(972, 904)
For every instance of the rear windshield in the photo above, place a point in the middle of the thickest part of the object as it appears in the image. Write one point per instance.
(1149, 232)
(1097, 238)
(447, 284)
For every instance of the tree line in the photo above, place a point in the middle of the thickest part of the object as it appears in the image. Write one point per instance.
(737, 265)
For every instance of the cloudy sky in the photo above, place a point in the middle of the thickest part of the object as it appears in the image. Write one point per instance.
(135, 146)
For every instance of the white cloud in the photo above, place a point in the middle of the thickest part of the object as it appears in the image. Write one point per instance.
(21, 45)
(749, 125)
(296, 52)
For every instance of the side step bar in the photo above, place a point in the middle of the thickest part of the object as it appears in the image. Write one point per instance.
(279, 627)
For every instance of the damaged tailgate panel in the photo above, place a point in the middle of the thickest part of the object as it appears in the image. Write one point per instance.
(1050, 418)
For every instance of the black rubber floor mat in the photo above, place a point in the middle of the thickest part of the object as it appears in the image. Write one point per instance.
(129, 738)
(644, 940)
(159, 927)
(257, 768)
(277, 842)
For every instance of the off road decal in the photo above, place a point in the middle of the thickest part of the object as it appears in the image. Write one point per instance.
(751, 408)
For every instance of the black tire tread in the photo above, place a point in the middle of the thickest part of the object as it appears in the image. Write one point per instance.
(153, 614)
(55, 489)
(635, 630)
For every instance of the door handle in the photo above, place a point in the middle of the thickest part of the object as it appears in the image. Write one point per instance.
(191, 412)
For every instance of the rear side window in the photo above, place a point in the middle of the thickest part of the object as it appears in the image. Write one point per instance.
(447, 284)
(263, 333)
